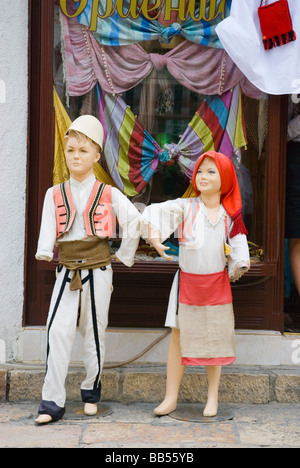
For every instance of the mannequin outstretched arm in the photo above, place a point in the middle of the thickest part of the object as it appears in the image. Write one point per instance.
(155, 240)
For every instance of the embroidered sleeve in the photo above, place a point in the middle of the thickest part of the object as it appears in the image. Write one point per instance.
(239, 258)
(164, 217)
(129, 221)
(47, 235)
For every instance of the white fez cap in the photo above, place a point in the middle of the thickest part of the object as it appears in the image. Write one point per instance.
(90, 126)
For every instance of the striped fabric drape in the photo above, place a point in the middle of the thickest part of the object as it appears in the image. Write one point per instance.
(201, 69)
(133, 155)
(115, 30)
(101, 59)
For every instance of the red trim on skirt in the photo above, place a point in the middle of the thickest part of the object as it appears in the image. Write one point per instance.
(205, 290)
(185, 361)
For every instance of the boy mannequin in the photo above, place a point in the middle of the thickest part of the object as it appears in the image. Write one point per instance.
(210, 227)
(79, 216)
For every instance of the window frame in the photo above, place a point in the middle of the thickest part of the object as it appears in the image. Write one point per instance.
(265, 278)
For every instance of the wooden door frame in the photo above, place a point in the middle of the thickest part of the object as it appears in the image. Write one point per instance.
(40, 128)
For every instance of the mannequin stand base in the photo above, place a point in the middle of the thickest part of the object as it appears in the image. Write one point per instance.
(194, 413)
(75, 411)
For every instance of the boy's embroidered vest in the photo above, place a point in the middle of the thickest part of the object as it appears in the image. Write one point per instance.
(98, 216)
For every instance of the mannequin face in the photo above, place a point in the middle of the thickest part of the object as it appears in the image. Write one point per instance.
(81, 155)
(208, 178)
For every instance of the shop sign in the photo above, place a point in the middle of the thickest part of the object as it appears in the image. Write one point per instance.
(203, 10)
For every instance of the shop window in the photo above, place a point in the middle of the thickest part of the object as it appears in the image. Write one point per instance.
(166, 113)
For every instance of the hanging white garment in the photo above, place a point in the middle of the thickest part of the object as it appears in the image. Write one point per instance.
(275, 71)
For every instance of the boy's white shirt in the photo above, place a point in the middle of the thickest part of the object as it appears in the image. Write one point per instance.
(126, 213)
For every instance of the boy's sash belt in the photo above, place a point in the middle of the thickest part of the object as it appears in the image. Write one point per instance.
(83, 255)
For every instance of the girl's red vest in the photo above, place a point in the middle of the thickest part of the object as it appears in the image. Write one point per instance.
(98, 216)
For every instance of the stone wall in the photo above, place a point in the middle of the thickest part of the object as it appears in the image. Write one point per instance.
(245, 384)
(13, 157)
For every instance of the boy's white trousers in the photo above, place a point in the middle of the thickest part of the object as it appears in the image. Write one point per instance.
(87, 309)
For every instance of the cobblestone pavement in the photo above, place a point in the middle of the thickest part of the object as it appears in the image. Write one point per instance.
(132, 426)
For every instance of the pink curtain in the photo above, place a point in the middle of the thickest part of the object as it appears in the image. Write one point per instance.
(201, 69)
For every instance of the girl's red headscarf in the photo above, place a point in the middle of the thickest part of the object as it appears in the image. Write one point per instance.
(230, 191)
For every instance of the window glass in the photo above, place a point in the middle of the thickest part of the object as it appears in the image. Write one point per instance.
(171, 110)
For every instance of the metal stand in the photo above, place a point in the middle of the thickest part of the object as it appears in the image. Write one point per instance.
(194, 413)
(75, 411)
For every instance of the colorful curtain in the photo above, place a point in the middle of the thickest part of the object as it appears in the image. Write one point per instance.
(116, 31)
(130, 151)
(132, 154)
(117, 69)
(217, 125)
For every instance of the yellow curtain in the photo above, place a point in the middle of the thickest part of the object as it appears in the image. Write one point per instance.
(189, 193)
(60, 170)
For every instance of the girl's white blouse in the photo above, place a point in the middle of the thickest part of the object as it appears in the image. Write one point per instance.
(206, 254)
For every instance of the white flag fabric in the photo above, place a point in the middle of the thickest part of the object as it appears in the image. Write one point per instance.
(275, 71)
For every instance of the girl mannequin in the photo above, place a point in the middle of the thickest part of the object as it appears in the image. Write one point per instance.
(210, 230)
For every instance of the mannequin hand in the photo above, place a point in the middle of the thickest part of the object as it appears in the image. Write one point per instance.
(114, 257)
(161, 249)
(243, 266)
(154, 237)
(240, 269)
